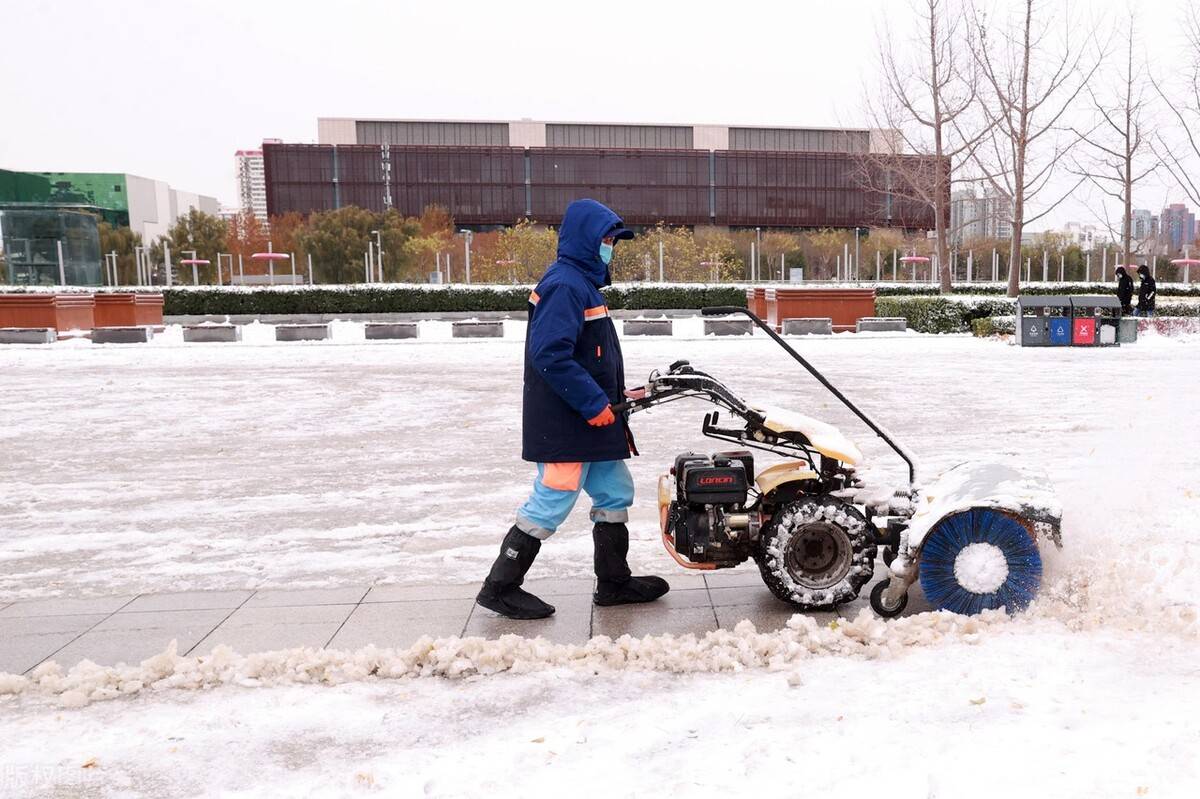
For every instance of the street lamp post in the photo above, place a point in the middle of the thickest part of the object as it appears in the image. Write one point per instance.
(467, 235)
(378, 253)
(757, 250)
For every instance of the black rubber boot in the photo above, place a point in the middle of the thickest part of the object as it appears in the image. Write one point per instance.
(501, 590)
(614, 584)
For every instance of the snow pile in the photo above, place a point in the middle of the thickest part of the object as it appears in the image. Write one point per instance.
(864, 637)
(981, 568)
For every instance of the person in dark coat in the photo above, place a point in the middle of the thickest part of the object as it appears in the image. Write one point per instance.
(1146, 291)
(574, 374)
(1124, 291)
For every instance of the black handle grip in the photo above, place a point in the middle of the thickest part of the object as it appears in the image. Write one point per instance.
(620, 407)
(721, 310)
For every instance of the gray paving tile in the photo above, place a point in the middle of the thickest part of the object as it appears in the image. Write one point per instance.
(685, 580)
(743, 595)
(399, 624)
(641, 620)
(133, 637)
(733, 578)
(188, 600)
(64, 606)
(265, 629)
(686, 598)
(271, 598)
(28, 641)
(570, 624)
(559, 587)
(760, 607)
(406, 593)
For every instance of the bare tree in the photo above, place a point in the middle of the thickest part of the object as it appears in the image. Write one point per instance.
(929, 89)
(1182, 157)
(1030, 81)
(1118, 143)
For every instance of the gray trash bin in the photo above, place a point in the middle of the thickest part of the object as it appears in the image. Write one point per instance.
(1095, 321)
(1044, 320)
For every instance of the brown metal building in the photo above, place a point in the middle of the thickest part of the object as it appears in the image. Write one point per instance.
(496, 173)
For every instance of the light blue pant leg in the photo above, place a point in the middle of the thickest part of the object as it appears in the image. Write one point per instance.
(547, 508)
(610, 485)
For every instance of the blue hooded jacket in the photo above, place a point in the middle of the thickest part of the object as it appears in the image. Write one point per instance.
(573, 364)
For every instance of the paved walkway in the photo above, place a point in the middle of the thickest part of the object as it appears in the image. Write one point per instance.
(128, 629)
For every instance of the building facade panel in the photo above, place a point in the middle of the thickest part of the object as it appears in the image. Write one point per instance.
(446, 134)
(501, 185)
(800, 140)
(649, 137)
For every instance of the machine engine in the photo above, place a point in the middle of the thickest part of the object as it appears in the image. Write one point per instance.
(705, 501)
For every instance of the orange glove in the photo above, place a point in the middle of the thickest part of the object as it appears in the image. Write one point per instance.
(604, 418)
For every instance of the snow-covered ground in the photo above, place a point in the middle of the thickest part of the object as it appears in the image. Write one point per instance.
(169, 466)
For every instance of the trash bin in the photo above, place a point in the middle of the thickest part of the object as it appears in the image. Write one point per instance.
(1127, 330)
(1043, 321)
(1096, 321)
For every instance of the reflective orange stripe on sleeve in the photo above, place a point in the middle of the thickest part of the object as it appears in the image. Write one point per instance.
(533, 297)
(598, 312)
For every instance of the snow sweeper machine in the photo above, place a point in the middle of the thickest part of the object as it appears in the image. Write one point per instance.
(971, 536)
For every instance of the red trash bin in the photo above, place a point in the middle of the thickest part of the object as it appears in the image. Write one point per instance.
(1084, 331)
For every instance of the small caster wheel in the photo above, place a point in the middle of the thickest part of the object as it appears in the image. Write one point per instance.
(889, 555)
(880, 608)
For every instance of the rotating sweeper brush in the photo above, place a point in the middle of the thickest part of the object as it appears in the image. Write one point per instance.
(971, 536)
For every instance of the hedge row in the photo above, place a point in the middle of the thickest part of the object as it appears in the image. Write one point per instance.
(193, 302)
(941, 314)
(1164, 290)
(947, 315)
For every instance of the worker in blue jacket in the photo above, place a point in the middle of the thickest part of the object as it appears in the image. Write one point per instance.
(574, 374)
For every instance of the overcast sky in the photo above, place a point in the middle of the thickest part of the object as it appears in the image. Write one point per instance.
(169, 89)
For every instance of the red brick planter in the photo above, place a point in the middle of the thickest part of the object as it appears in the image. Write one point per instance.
(129, 310)
(844, 306)
(59, 311)
(756, 301)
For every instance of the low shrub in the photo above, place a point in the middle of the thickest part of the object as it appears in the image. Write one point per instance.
(400, 299)
(994, 326)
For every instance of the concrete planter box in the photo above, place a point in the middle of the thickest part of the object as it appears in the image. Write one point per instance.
(302, 332)
(728, 327)
(212, 333)
(28, 335)
(128, 309)
(477, 329)
(815, 326)
(377, 331)
(59, 311)
(122, 335)
(882, 324)
(647, 327)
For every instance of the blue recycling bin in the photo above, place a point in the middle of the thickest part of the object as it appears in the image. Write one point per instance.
(1060, 331)
(1043, 321)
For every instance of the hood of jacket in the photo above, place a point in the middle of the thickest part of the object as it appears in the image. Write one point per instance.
(584, 224)
(1144, 272)
(1121, 272)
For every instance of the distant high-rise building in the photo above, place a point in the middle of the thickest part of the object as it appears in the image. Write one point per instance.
(1177, 226)
(252, 182)
(1086, 237)
(975, 217)
(1141, 227)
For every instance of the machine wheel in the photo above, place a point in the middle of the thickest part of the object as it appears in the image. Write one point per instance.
(882, 609)
(980, 559)
(816, 553)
